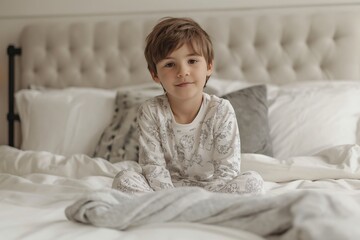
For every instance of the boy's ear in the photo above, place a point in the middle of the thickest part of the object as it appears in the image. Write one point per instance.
(210, 68)
(155, 77)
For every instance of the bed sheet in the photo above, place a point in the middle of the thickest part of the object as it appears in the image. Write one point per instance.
(33, 199)
(333, 169)
(49, 222)
(36, 187)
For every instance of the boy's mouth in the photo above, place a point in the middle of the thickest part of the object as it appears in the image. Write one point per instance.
(184, 84)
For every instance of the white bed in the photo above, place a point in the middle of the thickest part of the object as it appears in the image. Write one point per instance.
(79, 80)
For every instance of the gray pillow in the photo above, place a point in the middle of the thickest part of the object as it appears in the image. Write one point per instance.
(119, 141)
(250, 105)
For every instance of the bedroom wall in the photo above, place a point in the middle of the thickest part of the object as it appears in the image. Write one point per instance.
(15, 14)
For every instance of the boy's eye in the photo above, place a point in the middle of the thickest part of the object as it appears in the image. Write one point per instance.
(169, 65)
(192, 61)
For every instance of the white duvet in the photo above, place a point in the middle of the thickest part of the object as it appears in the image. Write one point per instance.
(36, 187)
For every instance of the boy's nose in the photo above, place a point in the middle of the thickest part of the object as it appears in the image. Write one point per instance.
(183, 71)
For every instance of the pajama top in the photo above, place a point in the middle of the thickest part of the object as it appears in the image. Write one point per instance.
(204, 153)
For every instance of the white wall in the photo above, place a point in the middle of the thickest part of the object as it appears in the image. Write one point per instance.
(14, 14)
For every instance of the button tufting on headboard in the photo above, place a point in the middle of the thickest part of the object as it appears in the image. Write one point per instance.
(256, 48)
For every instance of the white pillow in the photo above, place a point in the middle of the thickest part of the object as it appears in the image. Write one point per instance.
(65, 122)
(305, 118)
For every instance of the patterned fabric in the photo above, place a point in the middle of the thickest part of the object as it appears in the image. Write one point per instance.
(119, 141)
(246, 183)
(131, 182)
(204, 153)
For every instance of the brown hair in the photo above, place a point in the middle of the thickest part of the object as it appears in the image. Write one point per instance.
(172, 33)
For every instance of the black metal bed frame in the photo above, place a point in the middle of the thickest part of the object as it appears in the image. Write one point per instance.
(12, 51)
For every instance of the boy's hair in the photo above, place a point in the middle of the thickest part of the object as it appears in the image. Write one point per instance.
(170, 34)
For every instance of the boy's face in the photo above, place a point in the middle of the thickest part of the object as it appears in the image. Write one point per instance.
(183, 73)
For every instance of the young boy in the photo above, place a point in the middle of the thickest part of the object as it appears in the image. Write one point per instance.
(186, 137)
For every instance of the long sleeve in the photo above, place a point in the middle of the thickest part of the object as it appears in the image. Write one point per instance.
(226, 147)
(151, 153)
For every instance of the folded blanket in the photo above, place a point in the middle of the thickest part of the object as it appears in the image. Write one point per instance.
(293, 215)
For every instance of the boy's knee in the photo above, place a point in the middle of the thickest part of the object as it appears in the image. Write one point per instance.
(121, 179)
(249, 182)
(131, 182)
(254, 182)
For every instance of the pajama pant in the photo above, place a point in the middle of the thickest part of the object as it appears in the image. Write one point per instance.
(249, 182)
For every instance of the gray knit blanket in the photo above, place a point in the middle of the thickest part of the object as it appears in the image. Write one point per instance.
(294, 215)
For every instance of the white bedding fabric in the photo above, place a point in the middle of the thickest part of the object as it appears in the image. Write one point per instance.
(36, 187)
(305, 118)
(64, 121)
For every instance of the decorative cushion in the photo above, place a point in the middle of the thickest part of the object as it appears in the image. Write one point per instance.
(250, 105)
(119, 142)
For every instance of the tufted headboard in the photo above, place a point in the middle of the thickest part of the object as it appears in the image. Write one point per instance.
(267, 48)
